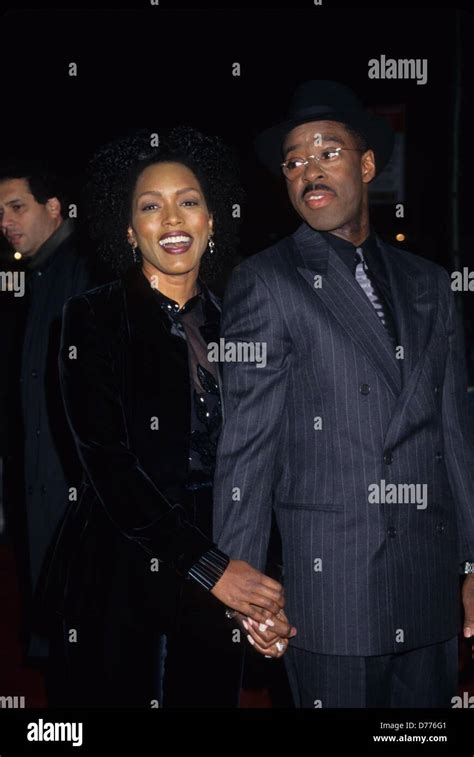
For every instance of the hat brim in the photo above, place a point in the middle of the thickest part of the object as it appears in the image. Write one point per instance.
(375, 129)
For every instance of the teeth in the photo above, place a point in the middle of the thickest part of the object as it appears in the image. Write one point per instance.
(316, 197)
(174, 240)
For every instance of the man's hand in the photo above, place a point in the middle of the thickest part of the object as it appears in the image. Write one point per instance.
(468, 602)
(263, 638)
(253, 594)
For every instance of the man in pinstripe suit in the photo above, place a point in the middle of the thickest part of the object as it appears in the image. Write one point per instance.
(354, 430)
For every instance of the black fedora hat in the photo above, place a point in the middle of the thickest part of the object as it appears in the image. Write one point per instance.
(320, 100)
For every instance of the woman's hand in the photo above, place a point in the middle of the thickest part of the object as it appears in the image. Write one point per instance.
(254, 595)
(263, 638)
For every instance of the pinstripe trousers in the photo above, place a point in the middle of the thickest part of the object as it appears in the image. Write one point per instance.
(423, 677)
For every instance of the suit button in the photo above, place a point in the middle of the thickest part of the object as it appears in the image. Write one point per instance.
(441, 528)
(439, 457)
(392, 532)
(436, 390)
(388, 458)
(364, 388)
(34, 374)
(38, 432)
(43, 489)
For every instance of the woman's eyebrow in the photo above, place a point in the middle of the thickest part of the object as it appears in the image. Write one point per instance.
(157, 192)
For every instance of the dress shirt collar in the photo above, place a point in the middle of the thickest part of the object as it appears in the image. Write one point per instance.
(171, 306)
(346, 250)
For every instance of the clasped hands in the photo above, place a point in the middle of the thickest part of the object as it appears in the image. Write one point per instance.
(258, 601)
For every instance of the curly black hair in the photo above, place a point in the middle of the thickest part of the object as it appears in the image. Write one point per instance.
(114, 170)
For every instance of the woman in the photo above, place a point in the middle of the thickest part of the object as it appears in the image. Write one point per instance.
(142, 587)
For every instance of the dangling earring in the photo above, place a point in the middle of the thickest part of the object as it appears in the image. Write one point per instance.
(133, 246)
(211, 244)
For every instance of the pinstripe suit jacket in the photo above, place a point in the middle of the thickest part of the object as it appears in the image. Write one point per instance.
(360, 578)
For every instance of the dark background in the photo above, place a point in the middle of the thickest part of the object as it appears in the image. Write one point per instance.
(158, 67)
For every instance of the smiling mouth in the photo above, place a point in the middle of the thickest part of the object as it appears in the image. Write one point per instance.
(176, 244)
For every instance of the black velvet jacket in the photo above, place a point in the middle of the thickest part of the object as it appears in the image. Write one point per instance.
(122, 374)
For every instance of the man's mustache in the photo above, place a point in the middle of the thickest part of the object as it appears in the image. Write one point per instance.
(314, 187)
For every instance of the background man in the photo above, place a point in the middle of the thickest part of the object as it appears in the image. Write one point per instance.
(41, 465)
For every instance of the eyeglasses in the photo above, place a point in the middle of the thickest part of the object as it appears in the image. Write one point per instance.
(294, 167)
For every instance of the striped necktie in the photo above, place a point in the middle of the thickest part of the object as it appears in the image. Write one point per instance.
(362, 276)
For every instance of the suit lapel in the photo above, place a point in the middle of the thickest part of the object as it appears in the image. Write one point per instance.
(150, 330)
(413, 305)
(149, 322)
(146, 321)
(414, 297)
(344, 298)
(157, 361)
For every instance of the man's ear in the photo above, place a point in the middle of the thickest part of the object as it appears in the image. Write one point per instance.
(368, 166)
(54, 207)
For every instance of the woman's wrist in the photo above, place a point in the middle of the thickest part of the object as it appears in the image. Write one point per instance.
(209, 568)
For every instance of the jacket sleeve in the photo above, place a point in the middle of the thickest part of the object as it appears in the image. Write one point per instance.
(457, 428)
(254, 396)
(93, 405)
